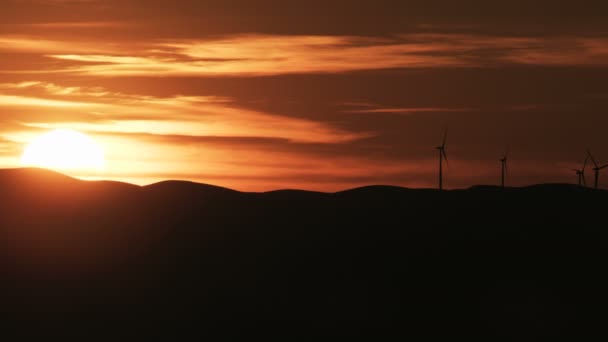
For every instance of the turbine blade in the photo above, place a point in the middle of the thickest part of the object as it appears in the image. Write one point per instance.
(584, 180)
(603, 167)
(591, 157)
(445, 157)
(445, 137)
(585, 164)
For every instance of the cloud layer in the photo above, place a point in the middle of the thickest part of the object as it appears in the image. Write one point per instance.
(259, 55)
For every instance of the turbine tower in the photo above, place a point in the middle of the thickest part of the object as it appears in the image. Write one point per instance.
(581, 173)
(596, 169)
(442, 156)
(504, 169)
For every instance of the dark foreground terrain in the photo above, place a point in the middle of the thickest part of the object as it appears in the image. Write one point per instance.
(114, 261)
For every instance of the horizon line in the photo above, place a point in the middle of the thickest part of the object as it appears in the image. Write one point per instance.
(83, 179)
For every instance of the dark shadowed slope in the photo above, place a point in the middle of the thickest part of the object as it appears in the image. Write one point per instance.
(31, 181)
(374, 263)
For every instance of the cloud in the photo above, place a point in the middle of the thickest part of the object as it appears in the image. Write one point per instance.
(81, 25)
(8, 147)
(104, 111)
(371, 109)
(55, 89)
(255, 55)
(34, 44)
(56, 1)
(566, 51)
(59, 26)
(263, 55)
(9, 100)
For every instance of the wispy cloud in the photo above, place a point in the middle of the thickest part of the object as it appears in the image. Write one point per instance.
(272, 55)
(181, 115)
(255, 55)
(406, 110)
(265, 55)
(374, 108)
(10, 100)
(566, 51)
(36, 44)
(80, 25)
(55, 89)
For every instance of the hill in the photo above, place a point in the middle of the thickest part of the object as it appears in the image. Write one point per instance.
(377, 262)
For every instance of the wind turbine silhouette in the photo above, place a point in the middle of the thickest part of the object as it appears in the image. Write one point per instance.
(442, 156)
(597, 168)
(504, 169)
(581, 173)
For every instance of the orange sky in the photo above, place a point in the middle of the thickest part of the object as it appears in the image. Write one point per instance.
(324, 96)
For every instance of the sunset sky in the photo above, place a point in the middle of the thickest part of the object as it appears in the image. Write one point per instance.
(320, 95)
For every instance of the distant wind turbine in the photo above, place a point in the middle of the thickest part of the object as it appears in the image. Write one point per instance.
(596, 169)
(581, 173)
(442, 156)
(504, 169)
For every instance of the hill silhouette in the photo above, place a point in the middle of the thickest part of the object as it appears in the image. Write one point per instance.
(375, 262)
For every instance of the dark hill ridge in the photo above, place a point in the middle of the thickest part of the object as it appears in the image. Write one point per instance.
(25, 177)
(174, 185)
(374, 263)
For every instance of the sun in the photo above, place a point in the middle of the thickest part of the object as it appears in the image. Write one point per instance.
(64, 150)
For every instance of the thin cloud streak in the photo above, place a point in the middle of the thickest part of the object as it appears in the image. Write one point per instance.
(8, 100)
(258, 55)
(181, 115)
(33, 44)
(81, 25)
(414, 110)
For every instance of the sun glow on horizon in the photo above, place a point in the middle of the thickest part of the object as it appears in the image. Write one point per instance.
(64, 150)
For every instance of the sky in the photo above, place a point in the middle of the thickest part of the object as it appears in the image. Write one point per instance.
(319, 95)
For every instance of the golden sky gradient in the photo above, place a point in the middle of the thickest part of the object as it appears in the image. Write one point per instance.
(325, 98)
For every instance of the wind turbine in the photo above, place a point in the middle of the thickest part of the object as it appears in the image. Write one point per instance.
(581, 173)
(504, 169)
(442, 156)
(596, 169)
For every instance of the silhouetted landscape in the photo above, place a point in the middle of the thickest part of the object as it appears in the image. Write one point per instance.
(91, 259)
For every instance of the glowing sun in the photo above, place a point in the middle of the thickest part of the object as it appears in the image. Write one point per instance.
(64, 149)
